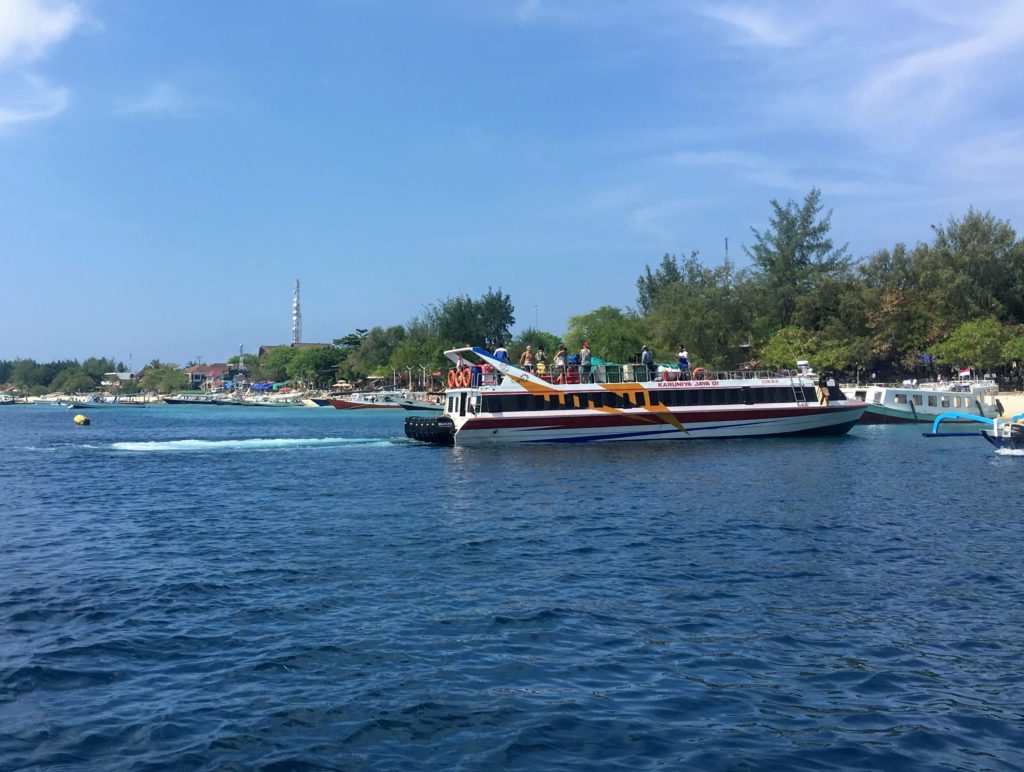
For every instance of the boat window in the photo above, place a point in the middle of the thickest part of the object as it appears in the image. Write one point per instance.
(639, 399)
(731, 396)
(945, 402)
(553, 402)
(918, 400)
(811, 396)
(655, 398)
(901, 399)
(932, 401)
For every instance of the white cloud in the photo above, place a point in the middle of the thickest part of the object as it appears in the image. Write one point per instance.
(758, 24)
(528, 10)
(935, 81)
(33, 100)
(29, 28)
(162, 98)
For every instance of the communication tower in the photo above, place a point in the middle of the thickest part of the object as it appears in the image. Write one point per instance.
(296, 317)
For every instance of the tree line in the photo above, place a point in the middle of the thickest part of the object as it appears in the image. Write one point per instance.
(955, 301)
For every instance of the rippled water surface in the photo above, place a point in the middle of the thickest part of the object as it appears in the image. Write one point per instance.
(207, 588)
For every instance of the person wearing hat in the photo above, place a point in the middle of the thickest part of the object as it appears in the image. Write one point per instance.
(647, 360)
(585, 363)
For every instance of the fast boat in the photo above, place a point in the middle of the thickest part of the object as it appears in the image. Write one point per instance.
(423, 401)
(913, 402)
(370, 400)
(7, 399)
(491, 402)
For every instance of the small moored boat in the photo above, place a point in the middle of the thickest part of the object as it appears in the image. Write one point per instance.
(370, 400)
(1003, 433)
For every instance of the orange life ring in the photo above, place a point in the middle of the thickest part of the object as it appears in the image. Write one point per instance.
(702, 376)
(453, 379)
(464, 378)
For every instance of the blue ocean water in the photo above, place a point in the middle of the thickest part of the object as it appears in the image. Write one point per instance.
(232, 588)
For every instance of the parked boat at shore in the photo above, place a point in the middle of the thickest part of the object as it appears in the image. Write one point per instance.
(493, 402)
(423, 401)
(192, 399)
(913, 402)
(92, 401)
(370, 400)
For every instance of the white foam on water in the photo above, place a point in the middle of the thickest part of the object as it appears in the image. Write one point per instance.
(247, 445)
(1009, 452)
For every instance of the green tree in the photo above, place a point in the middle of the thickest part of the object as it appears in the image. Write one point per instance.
(26, 373)
(97, 367)
(536, 338)
(652, 284)
(314, 367)
(704, 309)
(613, 335)
(794, 252)
(978, 343)
(163, 378)
(975, 268)
(274, 364)
(1013, 346)
(786, 346)
(73, 380)
(374, 351)
(461, 320)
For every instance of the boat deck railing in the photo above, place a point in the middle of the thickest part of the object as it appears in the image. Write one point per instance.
(629, 373)
(961, 386)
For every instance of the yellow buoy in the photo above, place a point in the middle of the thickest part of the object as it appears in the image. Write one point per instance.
(81, 420)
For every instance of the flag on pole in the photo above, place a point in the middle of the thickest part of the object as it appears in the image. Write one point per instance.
(965, 372)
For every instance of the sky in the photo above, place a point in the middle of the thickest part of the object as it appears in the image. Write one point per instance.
(169, 169)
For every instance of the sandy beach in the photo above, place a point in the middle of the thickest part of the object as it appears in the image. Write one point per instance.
(1013, 402)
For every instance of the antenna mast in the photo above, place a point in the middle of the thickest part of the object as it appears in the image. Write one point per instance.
(296, 317)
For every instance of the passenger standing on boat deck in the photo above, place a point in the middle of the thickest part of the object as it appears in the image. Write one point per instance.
(684, 363)
(585, 363)
(823, 390)
(541, 360)
(526, 359)
(501, 353)
(560, 358)
(647, 360)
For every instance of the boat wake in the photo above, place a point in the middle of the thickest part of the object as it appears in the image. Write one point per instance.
(208, 446)
(1010, 452)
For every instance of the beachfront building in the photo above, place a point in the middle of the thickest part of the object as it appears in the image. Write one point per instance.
(207, 376)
